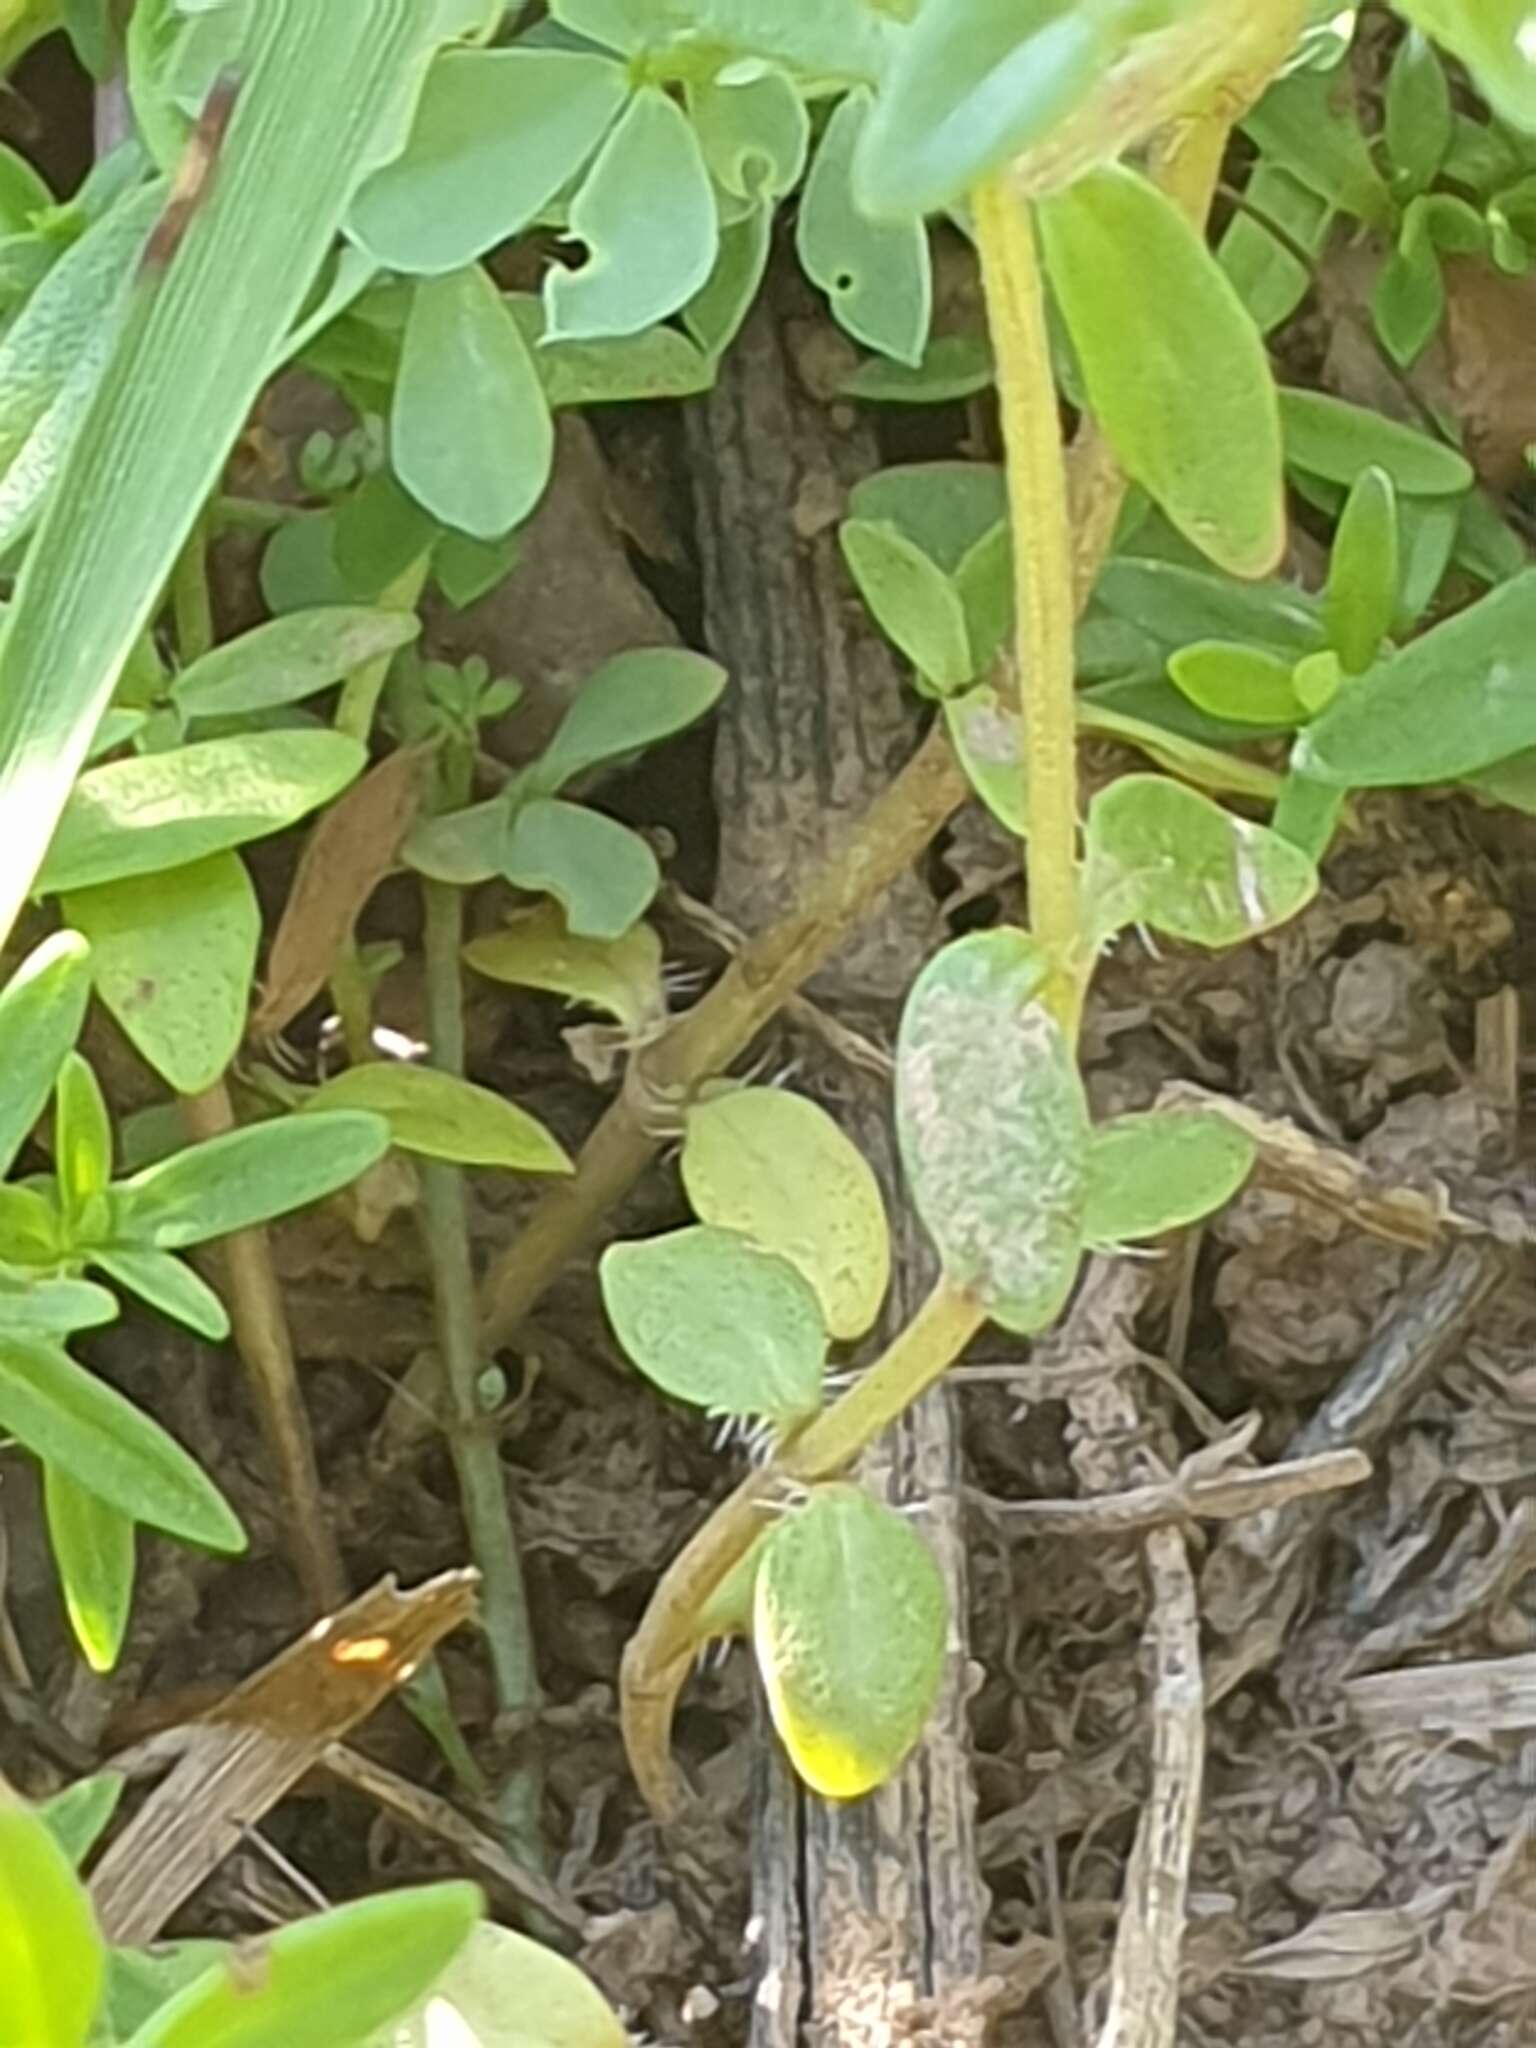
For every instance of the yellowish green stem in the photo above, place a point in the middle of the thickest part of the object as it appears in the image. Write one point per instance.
(1043, 580)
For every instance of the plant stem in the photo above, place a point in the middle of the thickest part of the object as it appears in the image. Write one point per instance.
(191, 601)
(471, 1432)
(266, 1351)
(360, 693)
(1043, 581)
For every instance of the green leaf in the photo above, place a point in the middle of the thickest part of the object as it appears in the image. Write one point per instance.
(1408, 302)
(1493, 39)
(443, 1117)
(993, 1127)
(776, 1168)
(714, 316)
(42, 1007)
(158, 811)
(952, 367)
(1427, 532)
(1330, 438)
(139, 1981)
(1174, 368)
(985, 734)
(1361, 599)
(973, 83)
(31, 1307)
(1165, 856)
(646, 212)
(1247, 685)
(168, 1284)
(470, 435)
(463, 847)
(602, 875)
(944, 508)
(62, 321)
(877, 274)
(659, 362)
(1156, 1172)
(174, 955)
(1264, 273)
(713, 1320)
(1308, 813)
(621, 976)
(245, 1177)
(52, 1959)
(912, 601)
(1486, 543)
(848, 1625)
(357, 1966)
(93, 1547)
(200, 338)
(631, 702)
(68, 1417)
(466, 569)
(504, 1991)
(1458, 699)
(290, 658)
(754, 130)
(31, 1229)
(1418, 114)
(497, 134)
(1176, 605)
(82, 1137)
(79, 1816)
(1307, 124)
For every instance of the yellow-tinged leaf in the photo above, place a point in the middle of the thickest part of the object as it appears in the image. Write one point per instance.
(443, 1117)
(849, 1629)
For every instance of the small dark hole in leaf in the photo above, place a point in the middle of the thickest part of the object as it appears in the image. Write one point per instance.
(843, 282)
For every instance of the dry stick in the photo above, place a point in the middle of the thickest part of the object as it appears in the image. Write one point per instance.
(1185, 1497)
(262, 1339)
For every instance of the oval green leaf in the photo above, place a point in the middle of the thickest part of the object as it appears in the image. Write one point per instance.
(93, 1548)
(1361, 599)
(52, 1959)
(776, 1168)
(712, 1320)
(973, 82)
(42, 1007)
(497, 134)
(368, 1961)
(621, 976)
(1174, 368)
(82, 1137)
(1162, 855)
(1247, 685)
(471, 436)
(848, 1625)
(877, 274)
(167, 1284)
(629, 703)
(1330, 438)
(68, 1417)
(173, 956)
(246, 1177)
(646, 212)
(603, 876)
(1456, 700)
(504, 1991)
(994, 1127)
(441, 1116)
(158, 811)
(290, 658)
(911, 600)
(1155, 1172)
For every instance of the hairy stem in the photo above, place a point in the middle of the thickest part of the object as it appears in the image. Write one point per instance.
(1043, 581)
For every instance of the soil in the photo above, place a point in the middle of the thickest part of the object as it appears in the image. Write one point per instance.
(1365, 1865)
